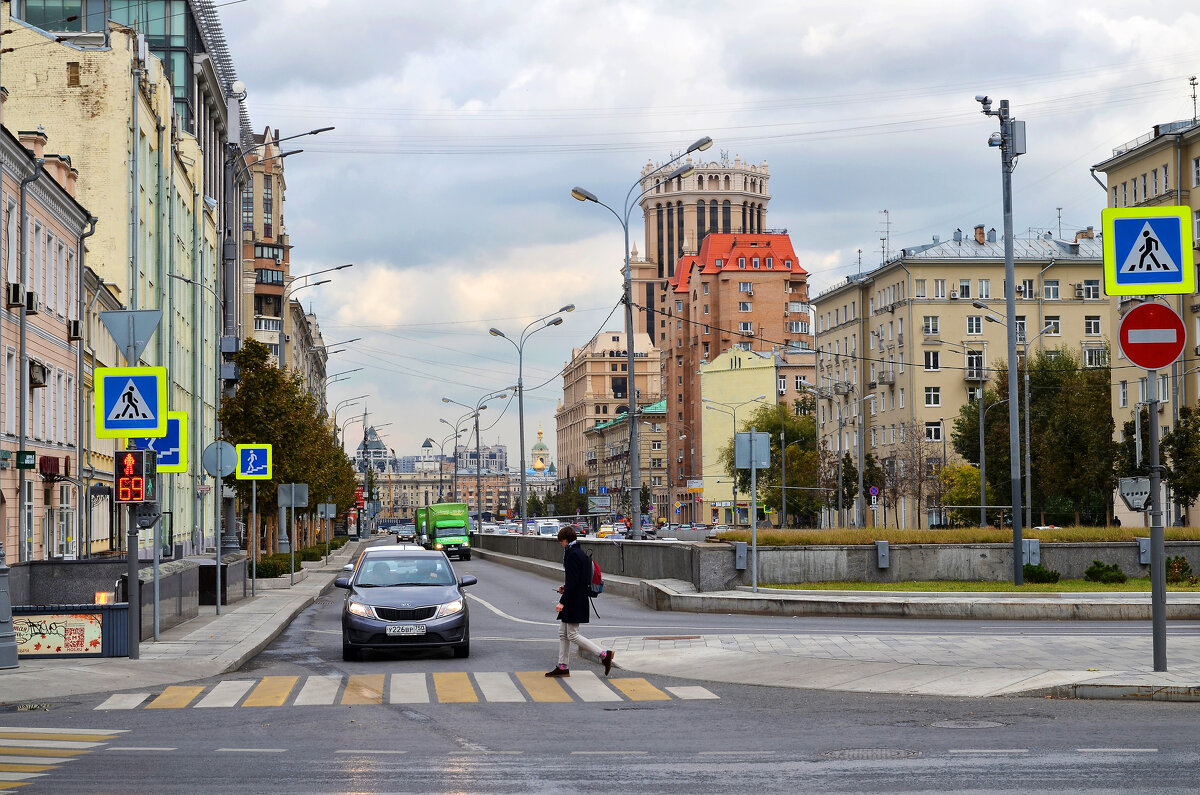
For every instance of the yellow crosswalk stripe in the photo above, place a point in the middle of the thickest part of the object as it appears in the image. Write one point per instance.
(272, 691)
(47, 752)
(175, 697)
(6, 784)
(638, 689)
(9, 768)
(542, 688)
(66, 735)
(364, 689)
(454, 688)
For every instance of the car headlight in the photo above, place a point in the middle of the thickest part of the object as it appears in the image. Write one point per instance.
(450, 608)
(360, 609)
(437, 546)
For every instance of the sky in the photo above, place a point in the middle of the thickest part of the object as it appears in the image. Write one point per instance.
(461, 128)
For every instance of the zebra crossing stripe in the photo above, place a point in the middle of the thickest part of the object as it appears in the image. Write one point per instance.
(175, 697)
(408, 689)
(454, 688)
(542, 688)
(226, 694)
(318, 691)
(589, 687)
(638, 689)
(364, 689)
(498, 687)
(272, 691)
(124, 701)
(691, 692)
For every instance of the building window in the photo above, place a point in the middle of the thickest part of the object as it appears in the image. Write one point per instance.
(1026, 290)
(248, 206)
(1053, 326)
(746, 327)
(932, 360)
(918, 288)
(1114, 199)
(939, 288)
(797, 327)
(745, 306)
(1091, 325)
(745, 287)
(1123, 393)
(1145, 195)
(1154, 181)
(933, 396)
(1095, 357)
(933, 431)
(268, 206)
(1050, 290)
(985, 289)
(705, 288)
(964, 288)
(974, 324)
(1091, 288)
(1020, 328)
(929, 326)
(268, 276)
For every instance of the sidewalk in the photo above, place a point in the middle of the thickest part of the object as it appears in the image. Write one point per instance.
(208, 645)
(1114, 662)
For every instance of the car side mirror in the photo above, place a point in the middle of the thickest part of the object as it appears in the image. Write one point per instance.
(469, 579)
(348, 567)
(342, 582)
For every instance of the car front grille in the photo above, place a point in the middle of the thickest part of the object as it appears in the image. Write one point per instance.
(400, 614)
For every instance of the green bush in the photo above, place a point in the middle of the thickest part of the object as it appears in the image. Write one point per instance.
(1104, 572)
(311, 554)
(1179, 570)
(274, 565)
(1040, 573)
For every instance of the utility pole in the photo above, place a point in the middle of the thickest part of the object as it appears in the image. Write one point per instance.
(1011, 141)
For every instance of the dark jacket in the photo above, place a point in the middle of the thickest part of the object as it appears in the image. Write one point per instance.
(574, 599)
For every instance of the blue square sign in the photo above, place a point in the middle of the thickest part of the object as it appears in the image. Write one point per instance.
(172, 448)
(254, 462)
(1148, 251)
(131, 401)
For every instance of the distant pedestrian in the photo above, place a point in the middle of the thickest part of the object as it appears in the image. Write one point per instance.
(573, 605)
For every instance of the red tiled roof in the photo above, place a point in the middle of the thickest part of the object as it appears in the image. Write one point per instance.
(727, 247)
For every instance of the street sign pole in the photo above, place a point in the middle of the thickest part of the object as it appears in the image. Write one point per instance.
(753, 514)
(253, 539)
(1158, 573)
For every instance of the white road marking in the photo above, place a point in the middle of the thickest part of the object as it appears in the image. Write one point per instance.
(97, 732)
(1117, 750)
(608, 753)
(226, 694)
(590, 687)
(124, 701)
(988, 751)
(138, 748)
(408, 689)
(35, 760)
(252, 750)
(735, 753)
(19, 776)
(502, 614)
(361, 751)
(496, 686)
(691, 692)
(65, 744)
(318, 691)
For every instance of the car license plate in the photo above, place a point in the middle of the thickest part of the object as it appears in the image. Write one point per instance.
(405, 629)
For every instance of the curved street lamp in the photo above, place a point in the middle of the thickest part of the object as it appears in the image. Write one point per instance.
(583, 195)
(731, 409)
(519, 344)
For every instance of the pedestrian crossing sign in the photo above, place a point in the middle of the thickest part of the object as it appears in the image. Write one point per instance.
(254, 462)
(1148, 251)
(130, 402)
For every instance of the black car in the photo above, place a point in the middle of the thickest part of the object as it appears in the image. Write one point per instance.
(404, 599)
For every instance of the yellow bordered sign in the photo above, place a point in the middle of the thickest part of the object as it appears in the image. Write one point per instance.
(1148, 251)
(171, 448)
(254, 462)
(130, 402)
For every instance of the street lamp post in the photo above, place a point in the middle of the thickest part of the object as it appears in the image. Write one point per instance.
(1011, 141)
(519, 344)
(479, 406)
(441, 461)
(731, 410)
(635, 470)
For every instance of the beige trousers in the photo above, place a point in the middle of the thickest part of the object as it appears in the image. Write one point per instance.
(568, 634)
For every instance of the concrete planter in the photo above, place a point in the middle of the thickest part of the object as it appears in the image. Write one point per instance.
(274, 583)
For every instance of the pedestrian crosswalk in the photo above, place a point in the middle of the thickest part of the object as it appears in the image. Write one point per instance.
(447, 687)
(28, 754)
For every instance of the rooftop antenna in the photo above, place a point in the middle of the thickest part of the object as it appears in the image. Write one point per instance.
(887, 235)
(1059, 222)
(1192, 83)
(860, 262)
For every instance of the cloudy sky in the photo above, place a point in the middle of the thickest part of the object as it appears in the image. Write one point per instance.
(462, 126)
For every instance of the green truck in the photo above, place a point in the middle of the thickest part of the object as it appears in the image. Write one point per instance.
(447, 527)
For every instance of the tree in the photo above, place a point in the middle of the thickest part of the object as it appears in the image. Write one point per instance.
(916, 466)
(270, 406)
(961, 487)
(1182, 448)
(533, 504)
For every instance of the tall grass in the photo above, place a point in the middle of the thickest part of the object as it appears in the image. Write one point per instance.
(962, 535)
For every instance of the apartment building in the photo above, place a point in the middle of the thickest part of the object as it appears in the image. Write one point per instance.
(901, 348)
(608, 461)
(746, 291)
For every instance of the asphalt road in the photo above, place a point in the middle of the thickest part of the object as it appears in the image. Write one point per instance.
(741, 739)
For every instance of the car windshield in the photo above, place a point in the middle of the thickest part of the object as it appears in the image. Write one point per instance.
(394, 572)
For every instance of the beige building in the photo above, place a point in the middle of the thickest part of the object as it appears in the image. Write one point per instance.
(901, 348)
(608, 460)
(595, 391)
(145, 111)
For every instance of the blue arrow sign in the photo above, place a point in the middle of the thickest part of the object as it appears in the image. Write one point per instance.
(172, 448)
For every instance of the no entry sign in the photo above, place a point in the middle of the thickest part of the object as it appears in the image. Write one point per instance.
(1152, 336)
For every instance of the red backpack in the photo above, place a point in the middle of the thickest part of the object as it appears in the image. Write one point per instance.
(596, 586)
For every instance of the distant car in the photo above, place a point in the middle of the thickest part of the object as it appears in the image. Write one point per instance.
(605, 531)
(715, 531)
(404, 599)
(548, 528)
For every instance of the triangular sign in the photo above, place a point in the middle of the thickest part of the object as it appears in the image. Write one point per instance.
(1148, 255)
(130, 405)
(131, 328)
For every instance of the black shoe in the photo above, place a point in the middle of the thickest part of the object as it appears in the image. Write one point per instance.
(607, 659)
(559, 670)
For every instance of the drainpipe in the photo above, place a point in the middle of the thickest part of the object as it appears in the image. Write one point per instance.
(197, 352)
(134, 204)
(81, 443)
(1041, 282)
(25, 552)
(912, 395)
(1178, 384)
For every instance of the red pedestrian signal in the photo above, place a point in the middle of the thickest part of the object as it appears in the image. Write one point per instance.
(136, 477)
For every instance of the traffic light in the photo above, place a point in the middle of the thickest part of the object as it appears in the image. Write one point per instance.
(136, 477)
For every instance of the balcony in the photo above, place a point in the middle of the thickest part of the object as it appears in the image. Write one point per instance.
(887, 377)
(977, 374)
(268, 323)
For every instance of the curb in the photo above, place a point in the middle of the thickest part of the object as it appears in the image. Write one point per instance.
(613, 584)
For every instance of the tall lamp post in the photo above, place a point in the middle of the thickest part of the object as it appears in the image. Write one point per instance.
(441, 461)
(546, 321)
(1011, 141)
(457, 433)
(635, 469)
(731, 409)
(479, 406)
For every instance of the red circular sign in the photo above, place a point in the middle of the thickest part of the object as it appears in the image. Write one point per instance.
(1152, 336)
